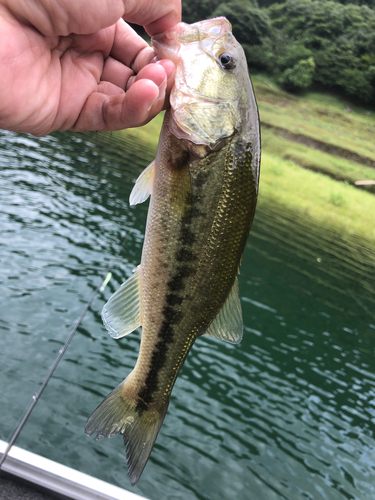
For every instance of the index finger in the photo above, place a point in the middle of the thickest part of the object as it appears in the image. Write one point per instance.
(129, 48)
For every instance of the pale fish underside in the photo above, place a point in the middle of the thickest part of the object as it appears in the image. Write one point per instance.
(203, 186)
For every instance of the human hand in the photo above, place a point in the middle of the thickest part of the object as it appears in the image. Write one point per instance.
(76, 64)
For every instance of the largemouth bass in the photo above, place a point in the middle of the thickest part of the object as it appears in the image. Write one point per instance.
(203, 186)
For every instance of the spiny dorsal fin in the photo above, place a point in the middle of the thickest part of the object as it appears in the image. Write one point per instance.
(228, 324)
(143, 185)
(121, 314)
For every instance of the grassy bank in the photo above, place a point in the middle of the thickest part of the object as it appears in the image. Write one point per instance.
(320, 116)
(323, 189)
(336, 167)
(325, 133)
(149, 134)
(329, 202)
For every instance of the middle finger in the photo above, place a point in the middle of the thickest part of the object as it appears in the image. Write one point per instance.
(115, 72)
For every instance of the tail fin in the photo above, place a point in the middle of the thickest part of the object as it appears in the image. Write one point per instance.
(118, 414)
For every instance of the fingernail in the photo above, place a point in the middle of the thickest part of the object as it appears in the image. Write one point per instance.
(162, 89)
(151, 104)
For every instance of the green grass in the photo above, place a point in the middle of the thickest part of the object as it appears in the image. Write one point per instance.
(149, 134)
(316, 196)
(317, 115)
(329, 119)
(339, 168)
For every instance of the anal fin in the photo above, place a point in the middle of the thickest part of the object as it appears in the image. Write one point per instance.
(228, 324)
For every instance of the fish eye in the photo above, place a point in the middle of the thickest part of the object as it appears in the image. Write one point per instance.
(227, 61)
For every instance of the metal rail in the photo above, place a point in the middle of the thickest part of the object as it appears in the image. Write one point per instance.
(47, 475)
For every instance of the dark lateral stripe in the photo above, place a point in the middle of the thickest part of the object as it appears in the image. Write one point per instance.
(176, 284)
(172, 314)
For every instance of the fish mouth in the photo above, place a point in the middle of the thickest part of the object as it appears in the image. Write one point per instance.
(166, 45)
(193, 104)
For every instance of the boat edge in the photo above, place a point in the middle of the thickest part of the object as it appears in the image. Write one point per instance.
(59, 479)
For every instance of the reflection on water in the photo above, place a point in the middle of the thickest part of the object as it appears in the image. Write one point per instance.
(288, 414)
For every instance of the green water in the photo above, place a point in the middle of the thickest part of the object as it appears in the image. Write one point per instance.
(287, 414)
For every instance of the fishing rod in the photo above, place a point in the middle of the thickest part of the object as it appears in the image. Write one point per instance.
(107, 276)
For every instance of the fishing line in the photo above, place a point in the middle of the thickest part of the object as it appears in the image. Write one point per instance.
(107, 276)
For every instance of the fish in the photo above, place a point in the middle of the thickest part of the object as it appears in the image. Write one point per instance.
(204, 188)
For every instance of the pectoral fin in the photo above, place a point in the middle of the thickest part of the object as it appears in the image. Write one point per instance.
(143, 185)
(228, 324)
(121, 314)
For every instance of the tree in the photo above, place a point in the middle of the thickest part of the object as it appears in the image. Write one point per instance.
(197, 10)
(250, 23)
(301, 42)
(340, 38)
(299, 76)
